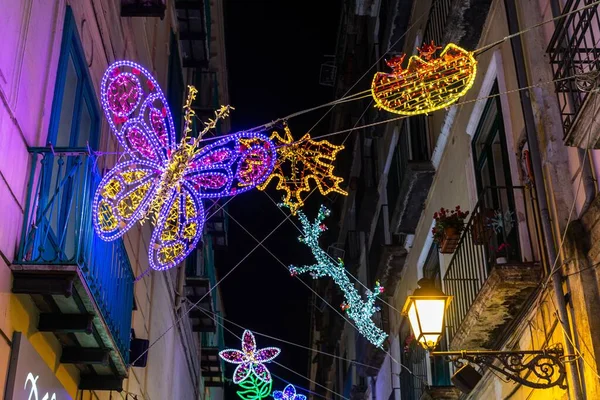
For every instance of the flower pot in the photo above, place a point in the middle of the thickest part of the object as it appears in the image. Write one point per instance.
(501, 260)
(450, 240)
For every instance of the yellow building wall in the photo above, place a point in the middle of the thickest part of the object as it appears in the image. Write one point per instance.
(28, 68)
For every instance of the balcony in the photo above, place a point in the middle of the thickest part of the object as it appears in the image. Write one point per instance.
(82, 285)
(494, 269)
(211, 365)
(573, 51)
(410, 176)
(193, 18)
(200, 277)
(386, 258)
(217, 224)
(367, 195)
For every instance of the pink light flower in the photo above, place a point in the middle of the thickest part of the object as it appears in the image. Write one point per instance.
(250, 359)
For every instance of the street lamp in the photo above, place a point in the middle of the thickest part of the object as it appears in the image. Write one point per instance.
(425, 311)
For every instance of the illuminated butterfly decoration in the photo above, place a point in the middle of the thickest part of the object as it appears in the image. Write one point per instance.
(162, 180)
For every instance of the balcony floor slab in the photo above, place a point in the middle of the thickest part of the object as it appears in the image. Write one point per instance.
(499, 302)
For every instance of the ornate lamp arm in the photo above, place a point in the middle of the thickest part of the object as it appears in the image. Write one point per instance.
(543, 368)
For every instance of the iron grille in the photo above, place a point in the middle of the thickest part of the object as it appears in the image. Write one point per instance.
(436, 23)
(573, 50)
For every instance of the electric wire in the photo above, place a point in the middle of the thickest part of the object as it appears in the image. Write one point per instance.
(346, 97)
(312, 290)
(273, 362)
(208, 292)
(229, 321)
(362, 127)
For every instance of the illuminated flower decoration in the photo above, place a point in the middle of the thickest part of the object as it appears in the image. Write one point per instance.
(250, 359)
(289, 393)
(300, 162)
(428, 83)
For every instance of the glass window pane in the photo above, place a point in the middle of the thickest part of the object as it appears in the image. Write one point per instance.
(85, 125)
(68, 102)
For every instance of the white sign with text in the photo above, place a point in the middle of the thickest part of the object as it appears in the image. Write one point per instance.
(29, 377)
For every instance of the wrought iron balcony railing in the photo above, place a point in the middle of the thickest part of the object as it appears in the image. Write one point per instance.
(500, 234)
(436, 23)
(58, 231)
(574, 50)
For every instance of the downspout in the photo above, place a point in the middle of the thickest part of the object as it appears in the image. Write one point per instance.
(180, 289)
(536, 162)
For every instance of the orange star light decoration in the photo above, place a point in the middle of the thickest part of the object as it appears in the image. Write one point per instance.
(428, 83)
(300, 162)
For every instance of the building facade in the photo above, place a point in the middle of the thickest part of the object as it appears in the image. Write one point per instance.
(521, 161)
(72, 309)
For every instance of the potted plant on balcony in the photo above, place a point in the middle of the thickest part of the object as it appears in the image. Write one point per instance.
(449, 224)
(501, 253)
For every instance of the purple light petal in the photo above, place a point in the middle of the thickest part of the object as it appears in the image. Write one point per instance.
(232, 355)
(241, 372)
(278, 395)
(248, 342)
(289, 392)
(267, 354)
(262, 372)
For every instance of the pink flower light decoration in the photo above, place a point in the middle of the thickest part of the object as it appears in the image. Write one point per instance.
(250, 359)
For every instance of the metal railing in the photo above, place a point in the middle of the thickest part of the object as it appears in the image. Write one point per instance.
(436, 23)
(416, 359)
(500, 230)
(574, 50)
(58, 230)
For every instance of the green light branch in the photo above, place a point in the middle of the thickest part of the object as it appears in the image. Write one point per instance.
(360, 311)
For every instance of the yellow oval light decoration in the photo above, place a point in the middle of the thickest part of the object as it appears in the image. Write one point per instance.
(428, 83)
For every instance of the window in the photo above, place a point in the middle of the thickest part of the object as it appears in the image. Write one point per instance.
(490, 154)
(75, 120)
(74, 123)
(492, 172)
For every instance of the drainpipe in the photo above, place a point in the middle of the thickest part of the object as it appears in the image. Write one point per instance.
(536, 162)
(179, 294)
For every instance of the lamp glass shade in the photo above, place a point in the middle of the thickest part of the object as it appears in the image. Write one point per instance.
(426, 317)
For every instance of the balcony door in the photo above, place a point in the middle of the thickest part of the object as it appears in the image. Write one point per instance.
(493, 177)
(74, 128)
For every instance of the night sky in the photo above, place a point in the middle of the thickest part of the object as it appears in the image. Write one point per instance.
(274, 53)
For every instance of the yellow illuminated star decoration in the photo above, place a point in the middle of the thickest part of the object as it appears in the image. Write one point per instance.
(428, 83)
(300, 162)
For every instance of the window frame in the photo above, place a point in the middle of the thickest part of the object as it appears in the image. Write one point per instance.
(480, 157)
(72, 49)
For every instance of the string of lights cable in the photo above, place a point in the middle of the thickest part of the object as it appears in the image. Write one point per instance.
(229, 321)
(349, 131)
(541, 294)
(346, 98)
(287, 217)
(208, 292)
(335, 309)
(369, 125)
(555, 265)
(273, 362)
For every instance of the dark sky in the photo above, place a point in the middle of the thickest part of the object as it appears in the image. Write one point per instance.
(274, 53)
